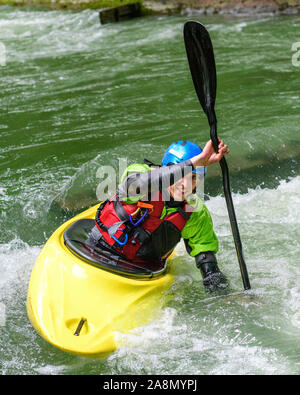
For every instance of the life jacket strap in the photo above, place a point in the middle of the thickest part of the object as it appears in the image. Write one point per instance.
(151, 164)
(97, 218)
(183, 213)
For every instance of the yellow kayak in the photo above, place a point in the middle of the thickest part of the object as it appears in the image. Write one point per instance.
(78, 305)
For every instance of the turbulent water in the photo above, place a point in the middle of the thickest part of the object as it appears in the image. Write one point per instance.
(76, 95)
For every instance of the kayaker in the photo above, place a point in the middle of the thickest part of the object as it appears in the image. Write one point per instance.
(154, 207)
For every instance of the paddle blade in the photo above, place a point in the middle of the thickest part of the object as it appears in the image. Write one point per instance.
(201, 59)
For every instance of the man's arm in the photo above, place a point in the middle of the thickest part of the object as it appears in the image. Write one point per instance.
(140, 180)
(142, 183)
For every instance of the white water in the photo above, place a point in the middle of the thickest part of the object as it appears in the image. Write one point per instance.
(240, 333)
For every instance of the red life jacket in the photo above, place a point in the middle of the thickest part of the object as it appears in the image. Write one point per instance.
(137, 232)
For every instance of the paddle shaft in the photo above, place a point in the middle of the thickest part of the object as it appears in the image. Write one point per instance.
(233, 223)
(230, 208)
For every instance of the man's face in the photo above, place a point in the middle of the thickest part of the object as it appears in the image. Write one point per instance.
(183, 187)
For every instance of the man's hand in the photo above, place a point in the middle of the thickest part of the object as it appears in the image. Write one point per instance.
(208, 156)
(213, 278)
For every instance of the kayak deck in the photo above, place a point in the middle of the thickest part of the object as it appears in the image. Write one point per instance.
(77, 306)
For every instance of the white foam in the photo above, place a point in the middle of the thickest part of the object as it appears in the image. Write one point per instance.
(262, 204)
(2, 314)
(239, 359)
(16, 261)
(194, 349)
(48, 33)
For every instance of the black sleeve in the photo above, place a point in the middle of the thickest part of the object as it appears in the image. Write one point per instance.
(155, 180)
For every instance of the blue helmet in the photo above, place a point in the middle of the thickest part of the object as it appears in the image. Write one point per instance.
(180, 151)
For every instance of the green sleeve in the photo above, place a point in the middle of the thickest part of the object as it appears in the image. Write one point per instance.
(132, 169)
(198, 230)
(135, 168)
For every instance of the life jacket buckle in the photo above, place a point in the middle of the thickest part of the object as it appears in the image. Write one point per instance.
(113, 231)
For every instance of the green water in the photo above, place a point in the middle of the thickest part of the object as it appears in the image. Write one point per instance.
(76, 95)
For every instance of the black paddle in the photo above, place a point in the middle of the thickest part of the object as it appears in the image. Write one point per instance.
(201, 59)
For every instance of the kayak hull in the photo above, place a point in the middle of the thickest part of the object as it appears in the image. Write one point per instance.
(78, 307)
